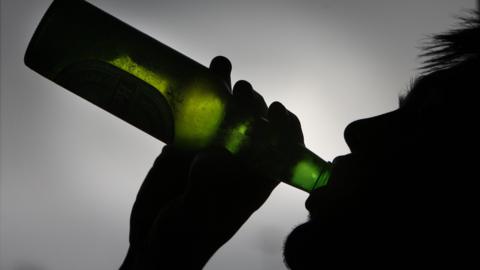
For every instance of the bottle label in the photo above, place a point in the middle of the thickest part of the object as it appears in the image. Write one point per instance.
(121, 94)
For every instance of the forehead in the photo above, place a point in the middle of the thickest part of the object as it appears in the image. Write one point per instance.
(459, 83)
(422, 88)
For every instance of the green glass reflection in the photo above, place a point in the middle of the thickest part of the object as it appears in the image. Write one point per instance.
(198, 111)
(323, 178)
(126, 63)
(236, 137)
(309, 175)
(198, 117)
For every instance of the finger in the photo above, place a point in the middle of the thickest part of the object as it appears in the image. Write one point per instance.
(249, 98)
(222, 67)
(295, 128)
(277, 117)
(277, 112)
(278, 133)
(284, 123)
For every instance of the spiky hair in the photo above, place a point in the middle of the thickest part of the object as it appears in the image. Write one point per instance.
(448, 49)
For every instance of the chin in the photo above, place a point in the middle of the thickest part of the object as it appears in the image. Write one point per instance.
(303, 248)
(293, 248)
(317, 245)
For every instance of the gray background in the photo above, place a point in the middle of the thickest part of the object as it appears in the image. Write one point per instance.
(69, 171)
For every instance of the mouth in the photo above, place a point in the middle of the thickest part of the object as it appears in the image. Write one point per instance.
(340, 182)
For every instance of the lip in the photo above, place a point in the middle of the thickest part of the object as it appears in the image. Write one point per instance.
(340, 165)
(341, 159)
(324, 195)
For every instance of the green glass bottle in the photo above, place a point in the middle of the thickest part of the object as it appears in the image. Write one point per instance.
(157, 89)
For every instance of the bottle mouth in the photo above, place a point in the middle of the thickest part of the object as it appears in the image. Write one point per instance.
(322, 179)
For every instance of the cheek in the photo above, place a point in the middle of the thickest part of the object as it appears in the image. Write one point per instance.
(317, 243)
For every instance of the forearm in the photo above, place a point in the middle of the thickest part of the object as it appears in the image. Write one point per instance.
(182, 238)
(220, 197)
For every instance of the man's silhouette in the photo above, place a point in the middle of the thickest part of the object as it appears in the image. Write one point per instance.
(405, 195)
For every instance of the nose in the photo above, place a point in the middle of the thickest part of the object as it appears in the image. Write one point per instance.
(372, 134)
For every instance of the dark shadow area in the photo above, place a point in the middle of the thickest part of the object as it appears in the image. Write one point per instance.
(404, 196)
(406, 193)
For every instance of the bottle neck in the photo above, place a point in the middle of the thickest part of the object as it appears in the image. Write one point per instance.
(250, 138)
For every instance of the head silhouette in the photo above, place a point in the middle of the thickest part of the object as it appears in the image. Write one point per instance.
(405, 193)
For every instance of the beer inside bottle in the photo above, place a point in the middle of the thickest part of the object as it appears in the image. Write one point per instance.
(157, 89)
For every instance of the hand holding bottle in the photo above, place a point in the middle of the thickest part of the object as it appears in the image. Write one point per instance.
(191, 203)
